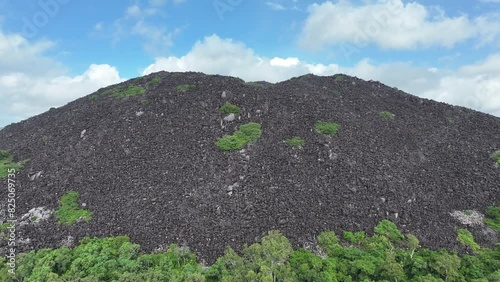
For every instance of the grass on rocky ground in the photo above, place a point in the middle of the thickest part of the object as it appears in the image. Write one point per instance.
(229, 108)
(386, 115)
(496, 156)
(185, 87)
(69, 212)
(492, 218)
(466, 238)
(326, 128)
(7, 164)
(131, 90)
(296, 142)
(246, 134)
(121, 91)
(155, 81)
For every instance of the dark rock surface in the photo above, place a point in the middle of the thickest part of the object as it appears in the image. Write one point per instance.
(152, 170)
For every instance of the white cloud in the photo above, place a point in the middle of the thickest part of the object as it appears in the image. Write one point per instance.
(488, 27)
(475, 86)
(288, 62)
(31, 83)
(214, 55)
(392, 24)
(472, 86)
(275, 6)
(29, 95)
(17, 54)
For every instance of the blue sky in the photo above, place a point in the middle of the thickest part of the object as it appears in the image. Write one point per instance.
(54, 51)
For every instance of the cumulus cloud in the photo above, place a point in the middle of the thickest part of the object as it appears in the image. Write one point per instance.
(18, 54)
(475, 86)
(472, 86)
(31, 83)
(392, 24)
(215, 55)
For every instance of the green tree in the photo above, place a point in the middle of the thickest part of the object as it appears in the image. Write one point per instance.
(328, 242)
(270, 255)
(307, 266)
(413, 244)
(390, 230)
(391, 269)
(447, 265)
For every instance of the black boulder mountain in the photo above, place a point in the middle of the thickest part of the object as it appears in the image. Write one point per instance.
(147, 165)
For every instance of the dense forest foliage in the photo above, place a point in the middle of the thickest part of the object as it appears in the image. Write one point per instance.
(388, 255)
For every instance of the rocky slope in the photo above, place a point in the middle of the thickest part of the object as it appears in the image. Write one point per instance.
(147, 166)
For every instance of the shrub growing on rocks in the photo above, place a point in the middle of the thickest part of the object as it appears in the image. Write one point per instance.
(229, 108)
(295, 142)
(326, 128)
(493, 218)
(465, 238)
(496, 156)
(185, 87)
(247, 133)
(7, 163)
(68, 212)
(386, 115)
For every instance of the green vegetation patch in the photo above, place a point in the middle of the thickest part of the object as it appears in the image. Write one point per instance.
(229, 108)
(69, 211)
(123, 91)
(246, 134)
(131, 90)
(339, 78)
(467, 239)
(496, 156)
(492, 218)
(185, 87)
(7, 164)
(354, 237)
(155, 81)
(327, 128)
(5, 226)
(386, 115)
(145, 102)
(296, 142)
(390, 230)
